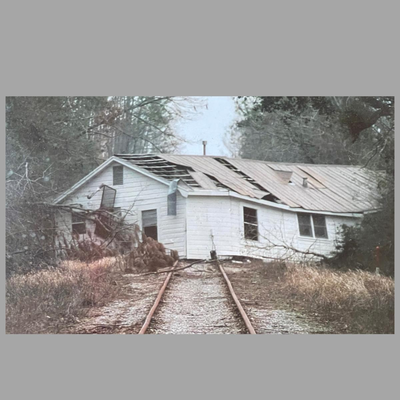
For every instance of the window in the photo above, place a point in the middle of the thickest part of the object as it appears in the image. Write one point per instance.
(320, 230)
(149, 223)
(250, 223)
(305, 225)
(78, 224)
(312, 225)
(108, 197)
(118, 175)
(107, 222)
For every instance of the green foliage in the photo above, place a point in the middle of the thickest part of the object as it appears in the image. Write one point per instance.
(332, 130)
(52, 142)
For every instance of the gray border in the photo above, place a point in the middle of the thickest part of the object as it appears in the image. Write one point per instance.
(283, 52)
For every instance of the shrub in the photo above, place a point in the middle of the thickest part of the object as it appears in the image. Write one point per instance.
(362, 299)
(44, 301)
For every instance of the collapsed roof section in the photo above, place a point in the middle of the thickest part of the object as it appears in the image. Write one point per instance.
(161, 167)
(330, 188)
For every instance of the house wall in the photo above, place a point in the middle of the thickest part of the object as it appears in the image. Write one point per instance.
(138, 193)
(222, 217)
(208, 222)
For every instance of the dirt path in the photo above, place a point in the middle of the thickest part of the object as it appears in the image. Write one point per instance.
(267, 310)
(197, 301)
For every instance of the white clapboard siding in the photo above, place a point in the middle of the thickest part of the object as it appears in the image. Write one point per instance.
(222, 217)
(279, 232)
(215, 216)
(204, 223)
(138, 193)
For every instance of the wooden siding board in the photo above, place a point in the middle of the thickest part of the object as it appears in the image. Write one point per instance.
(143, 193)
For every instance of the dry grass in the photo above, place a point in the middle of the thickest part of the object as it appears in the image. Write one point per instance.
(46, 300)
(361, 300)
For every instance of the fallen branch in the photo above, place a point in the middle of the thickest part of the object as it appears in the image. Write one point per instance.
(165, 271)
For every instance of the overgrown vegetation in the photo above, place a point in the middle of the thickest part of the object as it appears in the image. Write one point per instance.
(134, 250)
(360, 300)
(330, 130)
(45, 301)
(52, 142)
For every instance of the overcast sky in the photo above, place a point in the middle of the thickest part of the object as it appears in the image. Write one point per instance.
(210, 124)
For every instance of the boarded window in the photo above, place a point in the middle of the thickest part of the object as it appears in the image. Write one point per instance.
(320, 226)
(250, 223)
(149, 223)
(78, 224)
(118, 175)
(305, 225)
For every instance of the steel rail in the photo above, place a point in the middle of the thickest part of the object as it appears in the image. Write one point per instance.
(245, 318)
(157, 301)
(243, 314)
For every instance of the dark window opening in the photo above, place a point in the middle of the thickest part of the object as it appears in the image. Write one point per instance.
(305, 225)
(118, 175)
(320, 226)
(78, 224)
(151, 231)
(103, 227)
(107, 223)
(316, 228)
(250, 223)
(149, 222)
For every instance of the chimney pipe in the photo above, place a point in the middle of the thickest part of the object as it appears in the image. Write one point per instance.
(204, 147)
(305, 182)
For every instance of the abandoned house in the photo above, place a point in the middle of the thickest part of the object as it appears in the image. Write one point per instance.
(236, 207)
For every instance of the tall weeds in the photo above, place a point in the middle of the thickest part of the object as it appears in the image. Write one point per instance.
(44, 301)
(362, 300)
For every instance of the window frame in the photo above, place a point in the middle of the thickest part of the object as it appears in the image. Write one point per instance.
(81, 221)
(150, 226)
(248, 223)
(312, 224)
(320, 226)
(121, 168)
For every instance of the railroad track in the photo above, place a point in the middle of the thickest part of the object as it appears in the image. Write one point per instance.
(221, 298)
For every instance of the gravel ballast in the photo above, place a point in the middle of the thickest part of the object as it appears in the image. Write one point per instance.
(197, 301)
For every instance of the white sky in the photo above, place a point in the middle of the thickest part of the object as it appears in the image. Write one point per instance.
(210, 124)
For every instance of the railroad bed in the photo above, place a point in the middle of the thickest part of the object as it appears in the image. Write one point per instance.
(197, 301)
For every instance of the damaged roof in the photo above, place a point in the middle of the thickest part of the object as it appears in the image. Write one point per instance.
(333, 188)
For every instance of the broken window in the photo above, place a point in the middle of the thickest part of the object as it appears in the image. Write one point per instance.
(250, 223)
(118, 175)
(107, 223)
(78, 224)
(320, 230)
(149, 223)
(316, 228)
(108, 198)
(103, 227)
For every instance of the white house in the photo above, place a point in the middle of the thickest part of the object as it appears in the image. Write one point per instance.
(195, 204)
